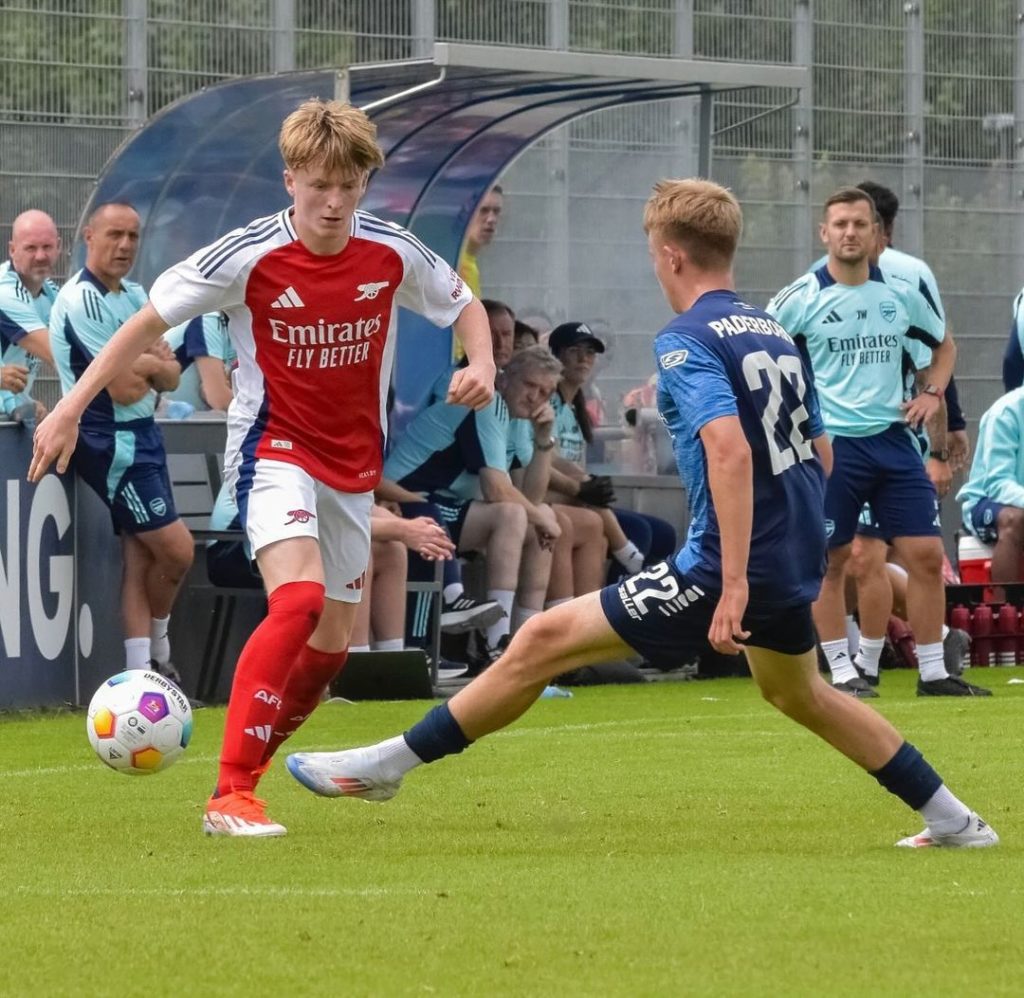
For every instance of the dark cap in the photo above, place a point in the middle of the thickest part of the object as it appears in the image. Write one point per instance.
(571, 334)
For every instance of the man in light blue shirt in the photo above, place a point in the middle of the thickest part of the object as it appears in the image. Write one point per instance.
(993, 496)
(203, 351)
(120, 452)
(26, 296)
(855, 325)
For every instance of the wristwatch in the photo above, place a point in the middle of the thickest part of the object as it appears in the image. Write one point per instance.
(940, 455)
(544, 447)
(932, 390)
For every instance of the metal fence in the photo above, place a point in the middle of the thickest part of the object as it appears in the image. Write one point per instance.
(926, 96)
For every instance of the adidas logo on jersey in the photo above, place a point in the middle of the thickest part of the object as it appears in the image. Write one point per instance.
(287, 299)
(833, 316)
(260, 731)
(370, 290)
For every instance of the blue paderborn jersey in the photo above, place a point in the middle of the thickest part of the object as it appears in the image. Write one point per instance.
(724, 357)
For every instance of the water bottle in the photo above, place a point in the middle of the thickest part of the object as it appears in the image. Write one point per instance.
(981, 634)
(179, 409)
(901, 637)
(552, 692)
(1006, 635)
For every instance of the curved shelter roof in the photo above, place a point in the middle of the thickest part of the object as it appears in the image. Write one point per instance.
(448, 125)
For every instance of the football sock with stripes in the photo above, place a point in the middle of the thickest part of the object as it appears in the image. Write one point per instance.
(261, 676)
(837, 653)
(311, 674)
(869, 654)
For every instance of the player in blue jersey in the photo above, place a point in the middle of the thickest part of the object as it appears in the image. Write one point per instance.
(26, 296)
(855, 326)
(203, 351)
(120, 453)
(751, 450)
(993, 496)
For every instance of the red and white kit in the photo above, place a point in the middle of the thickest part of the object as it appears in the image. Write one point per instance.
(315, 338)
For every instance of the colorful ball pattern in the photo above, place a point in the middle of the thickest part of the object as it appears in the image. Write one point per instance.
(139, 722)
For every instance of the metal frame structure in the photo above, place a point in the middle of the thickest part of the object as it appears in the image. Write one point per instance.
(449, 126)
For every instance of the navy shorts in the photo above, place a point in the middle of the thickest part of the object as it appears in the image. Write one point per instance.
(127, 469)
(665, 616)
(985, 520)
(884, 470)
(453, 514)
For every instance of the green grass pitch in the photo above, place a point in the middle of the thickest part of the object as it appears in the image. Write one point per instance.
(671, 839)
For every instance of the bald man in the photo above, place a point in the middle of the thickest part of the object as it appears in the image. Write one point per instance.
(26, 296)
(120, 452)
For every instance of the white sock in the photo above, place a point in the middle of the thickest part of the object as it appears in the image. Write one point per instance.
(931, 662)
(869, 654)
(136, 653)
(839, 662)
(504, 598)
(159, 643)
(557, 602)
(452, 592)
(629, 557)
(520, 615)
(396, 757)
(391, 644)
(944, 814)
(852, 634)
(358, 647)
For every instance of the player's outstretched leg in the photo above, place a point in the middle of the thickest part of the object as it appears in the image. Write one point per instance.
(567, 637)
(792, 684)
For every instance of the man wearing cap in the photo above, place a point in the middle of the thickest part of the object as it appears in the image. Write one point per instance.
(633, 538)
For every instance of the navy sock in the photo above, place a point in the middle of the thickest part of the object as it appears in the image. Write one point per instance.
(436, 736)
(909, 776)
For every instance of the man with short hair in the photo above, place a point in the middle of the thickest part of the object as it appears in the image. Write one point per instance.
(27, 294)
(855, 325)
(120, 452)
(752, 452)
(480, 232)
(312, 295)
(464, 462)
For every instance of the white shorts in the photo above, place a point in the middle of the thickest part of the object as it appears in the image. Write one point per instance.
(285, 501)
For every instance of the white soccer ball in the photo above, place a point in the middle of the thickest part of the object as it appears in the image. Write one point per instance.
(139, 722)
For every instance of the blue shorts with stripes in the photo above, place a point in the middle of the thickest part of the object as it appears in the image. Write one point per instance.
(127, 469)
(665, 616)
(885, 471)
(453, 513)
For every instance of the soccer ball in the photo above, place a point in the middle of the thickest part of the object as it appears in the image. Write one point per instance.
(139, 722)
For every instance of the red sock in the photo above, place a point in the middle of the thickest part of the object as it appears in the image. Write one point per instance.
(311, 674)
(293, 610)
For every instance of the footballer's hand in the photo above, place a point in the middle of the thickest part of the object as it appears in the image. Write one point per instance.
(920, 409)
(161, 350)
(13, 378)
(959, 444)
(472, 386)
(543, 418)
(597, 490)
(54, 440)
(726, 630)
(941, 475)
(428, 539)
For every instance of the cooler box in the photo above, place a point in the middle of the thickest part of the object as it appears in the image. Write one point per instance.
(974, 559)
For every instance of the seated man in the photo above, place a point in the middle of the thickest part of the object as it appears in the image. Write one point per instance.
(460, 459)
(993, 496)
(204, 352)
(27, 295)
